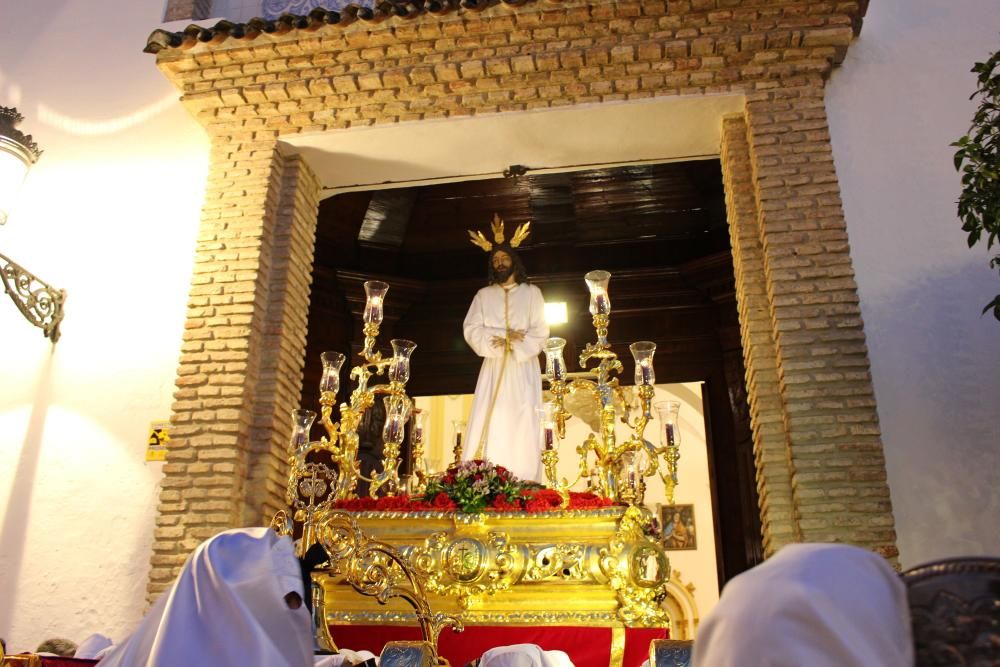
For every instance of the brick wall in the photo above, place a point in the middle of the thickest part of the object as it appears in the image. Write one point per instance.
(242, 355)
(819, 458)
(838, 469)
(543, 54)
(774, 466)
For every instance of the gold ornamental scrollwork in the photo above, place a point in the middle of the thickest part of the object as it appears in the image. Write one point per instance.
(583, 619)
(604, 563)
(638, 570)
(376, 569)
(467, 567)
(558, 562)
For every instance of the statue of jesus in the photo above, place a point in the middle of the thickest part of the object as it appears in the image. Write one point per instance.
(506, 326)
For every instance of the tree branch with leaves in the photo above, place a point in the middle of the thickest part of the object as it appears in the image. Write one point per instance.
(978, 160)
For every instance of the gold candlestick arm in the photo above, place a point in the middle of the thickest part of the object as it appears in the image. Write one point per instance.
(670, 456)
(371, 355)
(327, 400)
(419, 468)
(559, 389)
(398, 407)
(550, 459)
(646, 393)
(458, 446)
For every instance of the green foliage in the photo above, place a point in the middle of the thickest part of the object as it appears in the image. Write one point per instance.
(474, 485)
(978, 159)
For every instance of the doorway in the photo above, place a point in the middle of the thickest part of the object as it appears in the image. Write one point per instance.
(659, 228)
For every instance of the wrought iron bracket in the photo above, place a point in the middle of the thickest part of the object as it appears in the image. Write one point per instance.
(40, 303)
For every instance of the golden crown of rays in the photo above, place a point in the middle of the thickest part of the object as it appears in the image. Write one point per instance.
(496, 226)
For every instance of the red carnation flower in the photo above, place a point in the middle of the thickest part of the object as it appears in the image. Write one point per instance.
(355, 504)
(587, 500)
(502, 504)
(543, 500)
(443, 502)
(393, 503)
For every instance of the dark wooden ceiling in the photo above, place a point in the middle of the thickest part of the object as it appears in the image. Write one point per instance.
(615, 218)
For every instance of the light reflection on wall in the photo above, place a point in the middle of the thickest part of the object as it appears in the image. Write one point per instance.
(88, 128)
(11, 95)
(79, 458)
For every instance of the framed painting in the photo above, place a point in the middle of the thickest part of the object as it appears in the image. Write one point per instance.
(678, 527)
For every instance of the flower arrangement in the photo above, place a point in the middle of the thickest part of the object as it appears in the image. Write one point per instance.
(473, 485)
(477, 486)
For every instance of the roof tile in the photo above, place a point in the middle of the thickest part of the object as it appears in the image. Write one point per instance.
(161, 40)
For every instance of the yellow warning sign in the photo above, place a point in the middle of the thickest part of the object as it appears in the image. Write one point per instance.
(156, 446)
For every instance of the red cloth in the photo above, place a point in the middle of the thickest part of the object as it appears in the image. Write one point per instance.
(531, 501)
(586, 647)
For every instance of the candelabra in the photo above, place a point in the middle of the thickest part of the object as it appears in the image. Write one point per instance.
(458, 427)
(418, 473)
(619, 469)
(327, 470)
(547, 417)
(670, 440)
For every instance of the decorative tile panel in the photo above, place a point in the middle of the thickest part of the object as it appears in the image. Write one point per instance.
(275, 8)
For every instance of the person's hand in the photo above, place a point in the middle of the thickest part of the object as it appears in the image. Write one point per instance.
(498, 341)
(517, 335)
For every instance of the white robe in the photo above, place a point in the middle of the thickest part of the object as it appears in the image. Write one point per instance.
(94, 646)
(512, 429)
(524, 655)
(226, 609)
(810, 605)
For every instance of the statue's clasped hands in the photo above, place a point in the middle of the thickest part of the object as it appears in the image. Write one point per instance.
(513, 336)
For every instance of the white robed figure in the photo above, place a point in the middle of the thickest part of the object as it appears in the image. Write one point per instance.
(238, 602)
(821, 605)
(506, 326)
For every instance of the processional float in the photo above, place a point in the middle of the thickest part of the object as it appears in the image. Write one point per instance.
(599, 566)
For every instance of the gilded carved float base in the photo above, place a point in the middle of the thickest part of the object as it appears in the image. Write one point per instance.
(579, 567)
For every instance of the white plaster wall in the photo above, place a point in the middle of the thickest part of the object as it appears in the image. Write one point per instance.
(110, 213)
(895, 105)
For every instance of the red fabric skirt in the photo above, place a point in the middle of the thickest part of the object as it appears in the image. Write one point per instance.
(585, 646)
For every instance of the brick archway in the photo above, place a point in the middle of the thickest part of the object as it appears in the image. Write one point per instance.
(820, 468)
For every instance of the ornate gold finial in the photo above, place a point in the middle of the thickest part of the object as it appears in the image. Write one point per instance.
(478, 239)
(497, 227)
(520, 234)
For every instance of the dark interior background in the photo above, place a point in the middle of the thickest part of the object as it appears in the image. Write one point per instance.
(660, 229)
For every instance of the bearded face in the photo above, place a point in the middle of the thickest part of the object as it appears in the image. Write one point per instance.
(503, 266)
